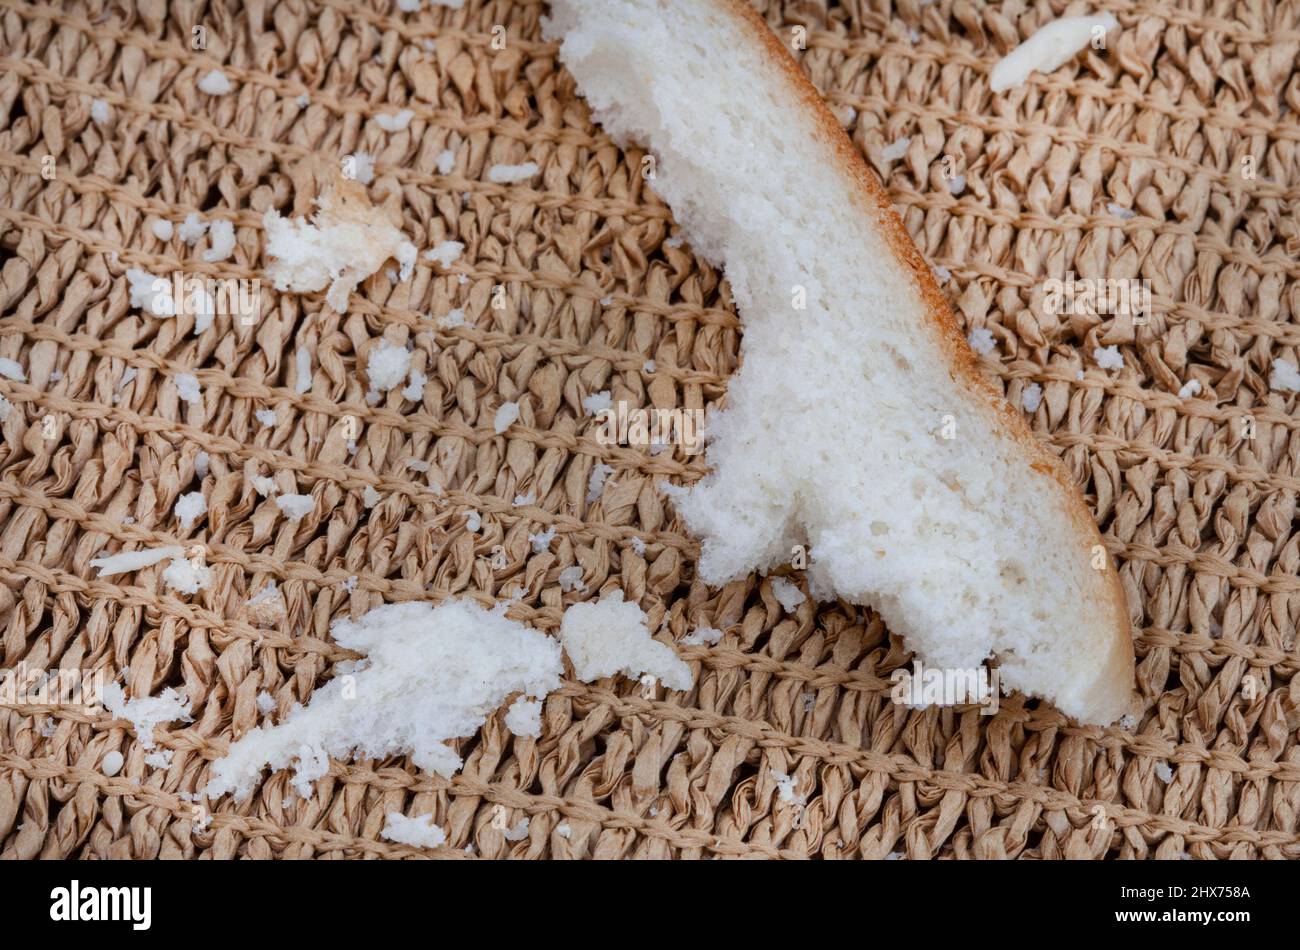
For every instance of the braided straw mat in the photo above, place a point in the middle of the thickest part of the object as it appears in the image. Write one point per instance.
(1123, 164)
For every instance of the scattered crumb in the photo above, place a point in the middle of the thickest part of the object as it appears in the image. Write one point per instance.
(675, 241)
(981, 341)
(190, 507)
(418, 832)
(192, 229)
(788, 594)
(414, 388)
(509, 174)
(417, 465)
(159, 759)
(150, 293)
(221, 242)
(134, 560)
(1127, 722)
(350, 584)
(1190, 388)
(542, 542)
(609, 636)
(563, 830)
(597, 403)
(265, 416)
(596, 480)
(638, 547)
(1164, 772)
(296, 507)
(506, 416)
(363, 166)
(187, 387)
(370, 497)
(446, 161)
(264, 485)
(302, 363)
(453, 319)
(215, 83)
(111, 764)
(202, 464)
(265, 703)
(1285, 377)
(1108, 357)
(387, 366)
(147, 713)
(522, 501)
(187, 576)
(571, 579)
(432, 674)
(524, 718)
(99, 111)
(162, 229)
(1031, 397)
(1052, 46)
(519, 832)
(785, 788)
(303, 101)
(394, 121)
(957, 184)
(703, 636)
(473, 520)
(12, 369)
(446, 253)
(1120, 211)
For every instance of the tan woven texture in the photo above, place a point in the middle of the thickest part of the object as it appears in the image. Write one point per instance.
(1195, 494)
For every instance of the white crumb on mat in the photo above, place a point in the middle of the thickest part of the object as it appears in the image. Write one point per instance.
(1189, 389)
(190, 507)
(1285, 377)
(431, 674)
(394, 121)
(192, 229)
(445, 161)
(981, 341)
(609, 636)
(1108, 357)
(215, 83)
(452, 319)
(419, 832)
(303, 101)
(187, 387)
(506, 416)
(265, 702)
(1031, 397)
(571, 579)
(202, 462)
(787, 594)
(895, 150)
(518, 832)
(1051, 46)
(387, 366)
(111, 764)
(267, 595)
(446, 253)
(1164, 772)
(99, 111)
(785, 788)
(524, 718)
(596, 480)
(350, 584)
(473, 520)
(370, 497)
(187, 576)
(509, 174)
(265, 416)
(638, 547)
(134, 560)
(414, 388)
(957, 184)
(162, 229)
(221, 242)
(346, 241)
(159, 758)
(264, 485)
(302, 365)
(597, 403)
(1120, 211)
(363, 166)
(522, 501)
(296, 507)
(542, 541)
(702, 636)
(563, 830)
(146, 713)
(150, 293)
(12, 369)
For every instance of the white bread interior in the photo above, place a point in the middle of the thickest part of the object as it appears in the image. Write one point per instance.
(833, 436)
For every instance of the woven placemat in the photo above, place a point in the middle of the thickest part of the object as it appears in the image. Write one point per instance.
(1130, 163)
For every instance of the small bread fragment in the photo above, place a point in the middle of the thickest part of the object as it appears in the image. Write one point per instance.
(858, 424)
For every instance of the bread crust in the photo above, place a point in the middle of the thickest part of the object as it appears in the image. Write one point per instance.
(1114, 687)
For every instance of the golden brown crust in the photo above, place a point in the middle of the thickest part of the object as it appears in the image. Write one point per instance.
(1040, 460)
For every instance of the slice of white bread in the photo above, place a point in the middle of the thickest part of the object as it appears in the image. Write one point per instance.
(858, 425)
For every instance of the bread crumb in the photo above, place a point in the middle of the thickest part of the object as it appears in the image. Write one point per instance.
(215, 83)
(302, 364)
(1285, 377)
(519, 832)
(363, 167)
(571, 579)
(99, 111)
(126, 561)
(347, 241)
(785, 788)
(431, 674)
(111, 764)
(190, 507)
(387, 366)
(1120, 211)
(563, 830)
(414, 388)
(394, 121)
(12, 369)
(702, 636)
(981, 341)
(417, 465)
(296, 507)
(264, 485)
(221, 242)
(1108, 357)
(446, 253)
(541, 542)
(1164, 772)
(509, 174)
(1031, 397)
(1190, 388)
(159, 759)
(265, 416)
(1051, 46)
(597, 403)
(187, 576)
(506, 416)
(370, 497)
(202, 463)
(787, 594)
(418, 832)
(150, 293)
(596, 480)
(265, 703)
(187, 387)
(162, 229)
(524, 718)
(453, 319)
(192, 229)
(609, 636)
(638, 547)
(146, 713)
(473, 521)
(445, 161)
